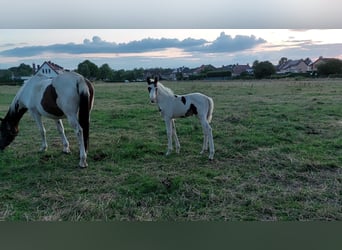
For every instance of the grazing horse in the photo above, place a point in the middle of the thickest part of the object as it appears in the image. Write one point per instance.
(173, 106)
(68, 95)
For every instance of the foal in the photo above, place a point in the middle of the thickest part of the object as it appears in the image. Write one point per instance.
(173, 106)
(68, 95)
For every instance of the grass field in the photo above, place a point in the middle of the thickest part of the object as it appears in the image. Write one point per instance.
(278, 157)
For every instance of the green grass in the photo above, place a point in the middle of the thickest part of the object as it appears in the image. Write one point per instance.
(278, 157)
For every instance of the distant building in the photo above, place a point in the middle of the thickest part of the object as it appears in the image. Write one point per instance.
(238, 69)
(293, 66)
(319, 61)
(48, 69)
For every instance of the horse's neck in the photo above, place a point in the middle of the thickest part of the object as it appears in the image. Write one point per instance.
(16, 111)
(165, 94)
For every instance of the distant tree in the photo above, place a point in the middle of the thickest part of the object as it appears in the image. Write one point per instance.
(282, 60)
(308, 61)
(263, 69)
(331, 66)
(105, 72)
(22, 70)
(5, 75)
(88, 69)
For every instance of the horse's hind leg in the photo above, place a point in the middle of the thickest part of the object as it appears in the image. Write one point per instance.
(208, 139)
(174, 132)
(205, 138)
(38, 120)
(211, 144)
(60, 129)
(79, 133)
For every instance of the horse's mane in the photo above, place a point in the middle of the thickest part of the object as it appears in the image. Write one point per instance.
(165, 90)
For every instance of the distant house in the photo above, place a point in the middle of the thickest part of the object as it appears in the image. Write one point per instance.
(293, 66)
(319, 61)
(48, 69)
(203, 68)
(238, 69)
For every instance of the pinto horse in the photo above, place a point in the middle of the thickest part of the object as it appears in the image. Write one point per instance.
(173, 106)
(68, 95)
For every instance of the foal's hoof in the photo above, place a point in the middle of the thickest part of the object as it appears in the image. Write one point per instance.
(66, 151)
(42, 150)
(83, 165)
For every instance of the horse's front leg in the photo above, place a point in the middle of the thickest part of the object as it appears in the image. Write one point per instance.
(38, 119)
(174, 132)
(79, 133)
(168, 123)
(60, 129)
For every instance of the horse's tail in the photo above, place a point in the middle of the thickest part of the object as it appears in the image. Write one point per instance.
(86, 93)
(210, 109)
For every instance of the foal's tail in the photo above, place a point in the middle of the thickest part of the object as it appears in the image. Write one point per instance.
(86, 93)
(210, 109)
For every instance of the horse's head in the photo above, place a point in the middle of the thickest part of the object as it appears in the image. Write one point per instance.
(152, 88)
(7, 133)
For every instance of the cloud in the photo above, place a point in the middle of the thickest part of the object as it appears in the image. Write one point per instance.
(224, 43)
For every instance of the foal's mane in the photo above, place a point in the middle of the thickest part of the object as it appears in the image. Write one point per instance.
(165, 90)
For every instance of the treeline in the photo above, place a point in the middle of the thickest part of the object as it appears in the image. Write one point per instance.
(264, 69)
(14, 74)
(105, 73)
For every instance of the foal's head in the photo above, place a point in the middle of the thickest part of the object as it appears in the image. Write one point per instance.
(152, 88)
(7, 133)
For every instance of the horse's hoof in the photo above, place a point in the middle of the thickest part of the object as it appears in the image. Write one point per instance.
(66, 151)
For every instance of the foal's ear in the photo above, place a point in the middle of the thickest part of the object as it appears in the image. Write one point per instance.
(148, 80)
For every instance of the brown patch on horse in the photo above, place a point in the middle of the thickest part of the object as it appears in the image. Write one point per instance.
(191, 111)
(91, 93)
(183, 100)
(49, 101)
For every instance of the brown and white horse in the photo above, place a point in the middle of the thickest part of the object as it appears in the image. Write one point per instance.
(68, 95)
(174, 106)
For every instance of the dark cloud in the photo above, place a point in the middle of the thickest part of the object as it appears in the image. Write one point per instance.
(224, 43)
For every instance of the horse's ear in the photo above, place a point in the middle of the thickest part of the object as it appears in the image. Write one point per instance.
(156, 80)
(148, 80)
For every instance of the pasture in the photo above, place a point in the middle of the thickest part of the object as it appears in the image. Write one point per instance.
(278, 158)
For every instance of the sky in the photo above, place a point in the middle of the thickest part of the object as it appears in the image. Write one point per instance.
(167, 48)
(153, 33)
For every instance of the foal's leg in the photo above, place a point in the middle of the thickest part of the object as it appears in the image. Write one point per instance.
(205, 136)
(79, 133)
(168, 123)
(38, 119)
(174, 132)
(60, 129)
(208, 138)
